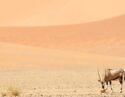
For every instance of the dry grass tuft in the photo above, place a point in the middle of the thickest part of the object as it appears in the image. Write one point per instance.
(103, 91)
(3, 94)
(13, 91)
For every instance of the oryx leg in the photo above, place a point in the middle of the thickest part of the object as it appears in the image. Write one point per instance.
(110, 82)
(106, 85)
(121, 82)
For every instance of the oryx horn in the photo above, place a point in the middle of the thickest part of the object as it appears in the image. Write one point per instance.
(99, 76)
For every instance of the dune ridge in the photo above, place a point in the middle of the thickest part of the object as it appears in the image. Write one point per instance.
(44, 13)
(102, 37)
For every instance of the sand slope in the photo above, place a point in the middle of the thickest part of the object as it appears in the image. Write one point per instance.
(103, 37)
(15, 56)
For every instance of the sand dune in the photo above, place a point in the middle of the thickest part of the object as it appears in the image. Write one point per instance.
(15, 56)
(41, 12)
(95, 44)
(103, 37)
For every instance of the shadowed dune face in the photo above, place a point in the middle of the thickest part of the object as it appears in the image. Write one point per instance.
(104, 37)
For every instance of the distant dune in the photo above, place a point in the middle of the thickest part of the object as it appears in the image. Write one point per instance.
(46, 12)
(96, 44)
(103, 37)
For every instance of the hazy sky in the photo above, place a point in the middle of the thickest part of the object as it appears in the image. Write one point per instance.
(57, 12)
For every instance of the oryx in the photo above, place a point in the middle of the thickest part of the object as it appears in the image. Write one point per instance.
(110, 75)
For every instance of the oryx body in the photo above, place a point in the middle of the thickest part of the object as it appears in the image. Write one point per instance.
(110, 75)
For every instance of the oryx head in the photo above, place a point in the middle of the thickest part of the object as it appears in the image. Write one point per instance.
(100, 80)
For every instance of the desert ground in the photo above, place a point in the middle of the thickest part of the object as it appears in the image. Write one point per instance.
(36, 72)
(63, 83)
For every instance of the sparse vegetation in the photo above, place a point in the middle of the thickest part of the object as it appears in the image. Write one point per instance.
(44, 84)
(13, 91)
(103, 91)
(3, 94)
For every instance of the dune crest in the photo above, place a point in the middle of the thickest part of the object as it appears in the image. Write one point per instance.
(44, 13)
(103, 37)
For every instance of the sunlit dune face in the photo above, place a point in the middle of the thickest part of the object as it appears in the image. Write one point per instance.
(14, 56)
(44, 13)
